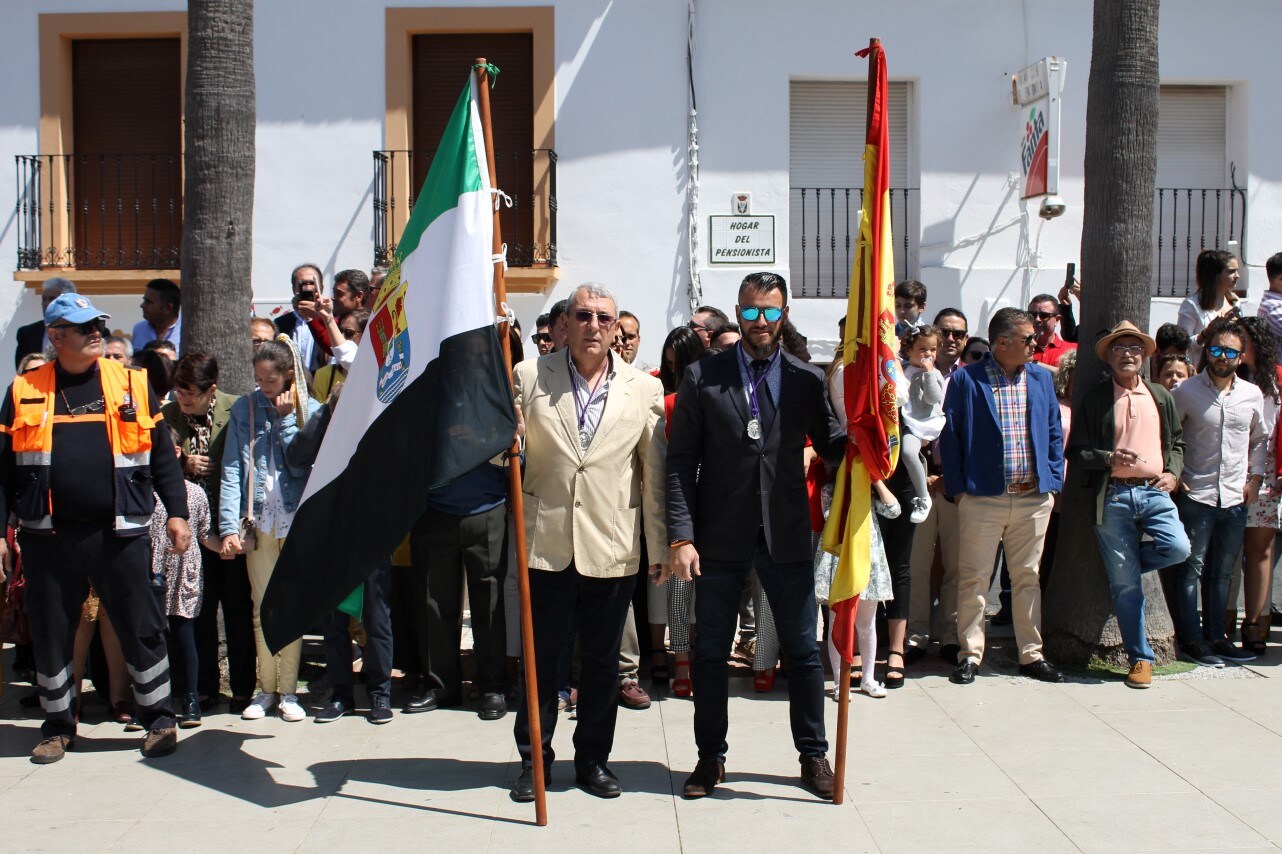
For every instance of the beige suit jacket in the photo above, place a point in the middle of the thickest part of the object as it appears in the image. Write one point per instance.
(588, 506)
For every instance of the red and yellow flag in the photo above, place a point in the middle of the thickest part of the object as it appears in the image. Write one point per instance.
(868, 371)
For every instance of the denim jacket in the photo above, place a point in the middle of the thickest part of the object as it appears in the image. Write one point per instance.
(273, 434)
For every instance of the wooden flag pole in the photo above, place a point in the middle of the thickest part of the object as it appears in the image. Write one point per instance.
(515, 501)
(843, 718)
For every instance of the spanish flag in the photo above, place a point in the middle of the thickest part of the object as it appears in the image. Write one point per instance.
(868, 372)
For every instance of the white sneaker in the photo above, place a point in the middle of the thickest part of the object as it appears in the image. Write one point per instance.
(257, 708)
(888, 511)
(290, 710)
(872, 688)
(921, 509)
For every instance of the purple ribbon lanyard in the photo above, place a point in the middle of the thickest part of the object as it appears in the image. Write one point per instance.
(753, 407)
(581, 407)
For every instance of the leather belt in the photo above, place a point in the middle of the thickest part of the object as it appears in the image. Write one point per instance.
(1021, 488)
(1131, 481)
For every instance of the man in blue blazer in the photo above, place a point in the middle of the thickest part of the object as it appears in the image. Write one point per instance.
(1003, 460)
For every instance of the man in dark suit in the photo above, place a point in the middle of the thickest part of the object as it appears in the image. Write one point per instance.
(1003, 461)
(31, 338)
(302, 324)
(737, 503)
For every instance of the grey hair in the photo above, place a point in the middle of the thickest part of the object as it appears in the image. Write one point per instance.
(58, 286)
(1004, 322)
(129, 345)
(594, 289)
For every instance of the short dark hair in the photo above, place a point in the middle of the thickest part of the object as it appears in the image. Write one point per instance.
(160, 344)
(763, 283)
(1173, 357)
(951, 312)
(169, 292)
(160, 370)
(320, 277)
(354, 279)
(712, 310)
(1172, 335)
(1273, 266)
(558, 308)
(623, 313)
(1005, 320)
(1044, 298)
(361, 316)
(544, 319)
(913, 290)
(196, 370)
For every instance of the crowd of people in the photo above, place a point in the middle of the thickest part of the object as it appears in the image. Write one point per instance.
(168, 498)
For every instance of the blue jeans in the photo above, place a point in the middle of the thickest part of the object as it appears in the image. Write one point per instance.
(1215, 538)
(790, 590)
(1129, 512)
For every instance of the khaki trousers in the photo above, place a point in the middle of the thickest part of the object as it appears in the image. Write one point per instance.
(1019, 522)
(940, 526)
(277, 674)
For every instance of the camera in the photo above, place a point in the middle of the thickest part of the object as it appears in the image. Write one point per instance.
(1052, 206)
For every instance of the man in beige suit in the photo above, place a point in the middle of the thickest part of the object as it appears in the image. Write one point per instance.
(594, 474)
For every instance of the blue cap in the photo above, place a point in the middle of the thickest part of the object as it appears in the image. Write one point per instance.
(72, 308)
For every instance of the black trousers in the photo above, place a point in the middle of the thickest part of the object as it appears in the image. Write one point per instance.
(376, 661)
(226, 584)
(598, 606)
(59, 567)
(454, 548)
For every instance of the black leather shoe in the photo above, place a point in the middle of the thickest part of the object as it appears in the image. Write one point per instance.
(1041, 670)
(965, 673)
(948, 652)
(190, 716)
(598, 780)
(523, 789)
(430, 701)
(493, 706)
(707, 774)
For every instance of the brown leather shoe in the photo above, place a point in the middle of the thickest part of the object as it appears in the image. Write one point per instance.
(816, 775)
(707, 774)
(52, 749)
(1141, 675)
(160, 742)
(633, 696)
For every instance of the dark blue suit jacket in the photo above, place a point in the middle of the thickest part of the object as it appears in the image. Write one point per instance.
(971, 444)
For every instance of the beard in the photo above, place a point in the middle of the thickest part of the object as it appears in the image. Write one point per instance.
(1223, 371)
(765, 350)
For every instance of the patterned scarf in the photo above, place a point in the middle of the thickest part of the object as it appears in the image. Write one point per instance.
(201, 427)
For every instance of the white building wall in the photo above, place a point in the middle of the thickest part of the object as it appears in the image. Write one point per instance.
(620, 134)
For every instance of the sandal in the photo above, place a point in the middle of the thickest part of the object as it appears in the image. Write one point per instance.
(1253, 638)
(681, 686)
(895, 675)
(659, 673)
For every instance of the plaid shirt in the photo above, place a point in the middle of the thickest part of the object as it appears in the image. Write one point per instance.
(1011, 396)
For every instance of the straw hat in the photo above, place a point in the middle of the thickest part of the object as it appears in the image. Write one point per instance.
(1122, 330)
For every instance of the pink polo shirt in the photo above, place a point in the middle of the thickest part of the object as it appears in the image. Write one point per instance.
(1137, 426)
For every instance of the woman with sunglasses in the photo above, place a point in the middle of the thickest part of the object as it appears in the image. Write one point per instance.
(1217, 274)
(976, 349)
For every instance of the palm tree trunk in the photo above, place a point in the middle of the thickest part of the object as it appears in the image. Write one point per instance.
(219, 186)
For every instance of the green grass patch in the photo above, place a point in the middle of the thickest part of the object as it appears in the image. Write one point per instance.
(1099, 667)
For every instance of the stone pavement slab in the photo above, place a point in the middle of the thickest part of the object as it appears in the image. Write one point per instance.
(1003, 765)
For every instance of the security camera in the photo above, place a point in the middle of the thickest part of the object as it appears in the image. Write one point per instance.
(1052, 206)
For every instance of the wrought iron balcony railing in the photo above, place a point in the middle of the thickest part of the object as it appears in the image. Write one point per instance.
(527, 176)
(99, 211)
(823, 222)
(1186, 221)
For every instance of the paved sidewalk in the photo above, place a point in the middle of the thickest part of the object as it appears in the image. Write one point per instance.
(1002, 765)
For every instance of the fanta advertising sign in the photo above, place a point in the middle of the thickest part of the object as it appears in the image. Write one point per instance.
(1033, 151)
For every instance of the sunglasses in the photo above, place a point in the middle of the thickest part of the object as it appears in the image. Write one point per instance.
(1044, 315)
(87, 328)
(955, 334)
(973, 355)
(1219, 351)
(1028, 340)
(585, 317)
(541, 338)
(752, 312)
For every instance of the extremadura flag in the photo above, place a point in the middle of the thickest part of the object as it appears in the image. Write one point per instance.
(426, 400)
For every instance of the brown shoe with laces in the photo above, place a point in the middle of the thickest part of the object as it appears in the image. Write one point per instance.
(1141, 675)
(52, 749)
(816, 775)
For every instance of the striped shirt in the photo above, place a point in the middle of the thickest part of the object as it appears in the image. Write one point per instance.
(1011, 397)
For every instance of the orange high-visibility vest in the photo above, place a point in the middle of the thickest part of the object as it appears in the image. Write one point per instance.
(128, 420)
